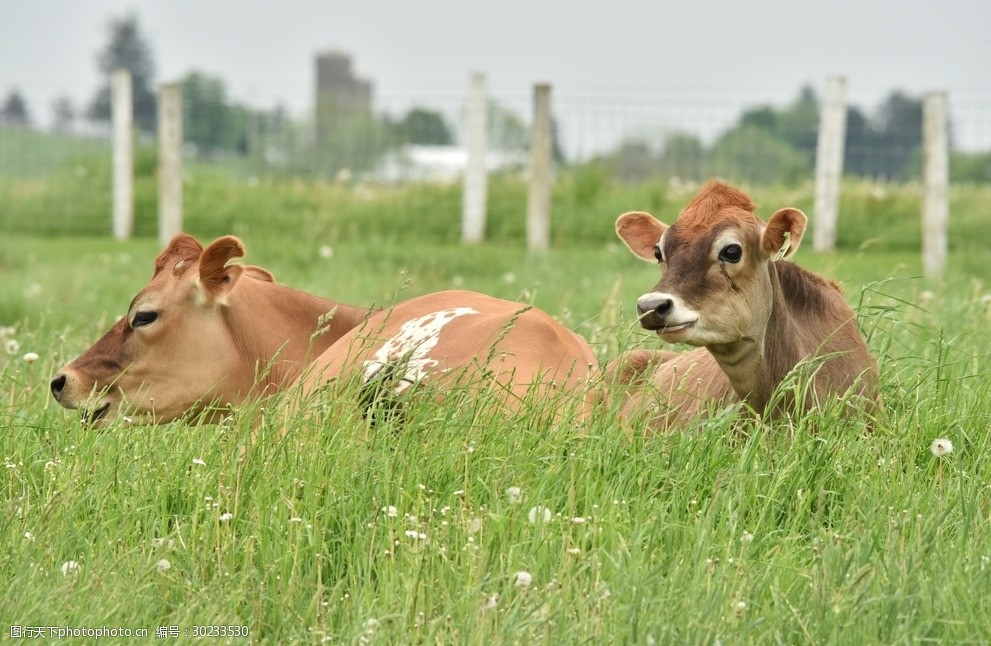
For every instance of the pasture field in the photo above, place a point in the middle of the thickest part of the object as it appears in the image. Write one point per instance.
(449, 525)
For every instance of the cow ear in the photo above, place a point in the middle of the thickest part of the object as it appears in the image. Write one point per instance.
(218, 272)
(182, 248)
(783, 233)
(641, 232)
(259, 273)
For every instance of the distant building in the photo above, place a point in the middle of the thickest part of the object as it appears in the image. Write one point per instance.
(344, 121)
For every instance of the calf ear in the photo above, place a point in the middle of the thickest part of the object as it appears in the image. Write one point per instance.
(783, 233)
(183, 247)
(641, 232)
(217, 272)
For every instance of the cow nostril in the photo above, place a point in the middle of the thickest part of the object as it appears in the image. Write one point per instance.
(58, 383)
(663, 308)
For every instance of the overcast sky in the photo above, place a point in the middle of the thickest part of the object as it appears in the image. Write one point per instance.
(757, 50)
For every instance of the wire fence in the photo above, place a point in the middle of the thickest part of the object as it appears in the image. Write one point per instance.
(62, 173)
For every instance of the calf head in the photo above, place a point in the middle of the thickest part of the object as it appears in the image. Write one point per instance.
(173, 348)
(715, 287)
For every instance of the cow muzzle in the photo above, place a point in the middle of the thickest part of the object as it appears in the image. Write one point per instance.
(665, 314)
(67, 391)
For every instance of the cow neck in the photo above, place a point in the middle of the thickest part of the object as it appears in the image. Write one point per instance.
(271, 321)
(757, 363)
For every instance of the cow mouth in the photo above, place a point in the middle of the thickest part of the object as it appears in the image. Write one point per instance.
(678, 328)
(94, 416)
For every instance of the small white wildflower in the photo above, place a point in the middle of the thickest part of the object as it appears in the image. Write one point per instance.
(740, 607)
(539, 513)
(28, 536)
(941, 447)
(574, 550)
(474, 525)
(415, 535)
(326, 252)
(578, 520)
(926, 296)
(226, 516)
(523, 579)
(70, 567)
(390, 511)
(491, 602)
(295, 519)
(6, 331)
(509, 278)
(514, 495)
(371, 624)
(12, 346)
(199, 461)
(163, 565)
(746, 537)
(30, 357)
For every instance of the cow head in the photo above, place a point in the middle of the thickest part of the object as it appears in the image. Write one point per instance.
(715, 287)
(173, 349)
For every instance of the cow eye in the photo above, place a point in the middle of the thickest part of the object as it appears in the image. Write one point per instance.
(731, 253)
(144, 317)
(658, 254)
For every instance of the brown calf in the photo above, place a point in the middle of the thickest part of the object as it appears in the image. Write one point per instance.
(727, 288)
(207, 333)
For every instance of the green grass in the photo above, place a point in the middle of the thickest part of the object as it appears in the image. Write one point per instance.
(818, 530)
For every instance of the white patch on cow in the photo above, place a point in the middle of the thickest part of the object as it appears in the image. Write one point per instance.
(412, 346)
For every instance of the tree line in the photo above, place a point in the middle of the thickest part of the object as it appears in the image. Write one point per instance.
(766, 143)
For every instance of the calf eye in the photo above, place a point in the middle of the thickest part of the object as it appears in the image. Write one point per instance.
(658, 254)
(144, 317)
(731, 253)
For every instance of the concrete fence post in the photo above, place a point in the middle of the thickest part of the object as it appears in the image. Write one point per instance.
(122, 117)
(538, 222)
(473, 206)
(935, 183)
(169, 161)
(829, 163)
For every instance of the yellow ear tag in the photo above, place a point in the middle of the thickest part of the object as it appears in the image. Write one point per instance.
(785, 246)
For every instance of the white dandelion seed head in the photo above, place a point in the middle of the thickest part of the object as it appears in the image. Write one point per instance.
(326, 252)
(30, 357)
(746, 537)
(12, 346)
(6, 331)
(941, 447)
(390, 511)
(522, 579)
(415, 535)
(163, 565)
(578, 520)
(491, 602)
(926, 296)
(740, 606)
(474, 525)
(70, 567)
(539, 514)
(28, 536)
(574, 550)
(514, 495)
(199, 461)
(226, 516)
(509, 278)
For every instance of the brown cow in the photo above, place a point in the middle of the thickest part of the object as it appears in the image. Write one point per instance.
(726, 287)
(207, 333)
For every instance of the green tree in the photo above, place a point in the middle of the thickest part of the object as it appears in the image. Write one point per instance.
(683, 155)
(63, 114)
(127, 48)
(752, 154)
(422, 126)
(15, 109)
(210, 122)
